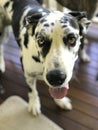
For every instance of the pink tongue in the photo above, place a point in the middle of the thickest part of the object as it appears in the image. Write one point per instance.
(58, 93)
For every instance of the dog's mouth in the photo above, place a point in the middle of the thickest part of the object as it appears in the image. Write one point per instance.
(58, 92)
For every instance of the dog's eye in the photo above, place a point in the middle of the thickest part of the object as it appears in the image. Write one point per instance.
(41, 41)
(71, 40)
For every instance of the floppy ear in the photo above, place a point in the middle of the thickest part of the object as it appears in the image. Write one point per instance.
(81, 17)
(82, 21)
(78, 14)
(33, 19)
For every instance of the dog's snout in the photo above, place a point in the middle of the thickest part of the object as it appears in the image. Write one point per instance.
(56, 77)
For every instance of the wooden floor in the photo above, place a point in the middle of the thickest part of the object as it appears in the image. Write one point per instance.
(83, 89)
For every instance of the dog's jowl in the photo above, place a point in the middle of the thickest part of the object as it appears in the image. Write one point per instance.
(49, 43)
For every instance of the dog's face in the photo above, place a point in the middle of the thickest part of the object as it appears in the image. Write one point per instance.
(57, 40)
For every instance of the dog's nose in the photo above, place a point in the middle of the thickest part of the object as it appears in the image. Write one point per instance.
(56, 77)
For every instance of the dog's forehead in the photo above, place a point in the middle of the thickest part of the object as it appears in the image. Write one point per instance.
(58, 21)
(58, 17)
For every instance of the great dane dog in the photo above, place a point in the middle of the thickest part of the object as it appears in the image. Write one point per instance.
(49, 43)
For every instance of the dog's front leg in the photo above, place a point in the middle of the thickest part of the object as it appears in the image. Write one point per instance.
(34, 101)
(2, 63)
(64, 103)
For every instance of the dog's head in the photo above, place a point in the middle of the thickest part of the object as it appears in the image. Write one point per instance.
(57, 40)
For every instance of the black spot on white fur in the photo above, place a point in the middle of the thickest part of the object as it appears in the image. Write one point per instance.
(6, 4)
(26, 40)
(36, 59)
(43, 20)
(63, 26)
(46, 47)
(43, 42)
(21, 59)
(46, 25)
(65, 19)
(52, 24)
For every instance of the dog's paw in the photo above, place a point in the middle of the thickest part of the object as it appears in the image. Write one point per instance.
(84, 57)
(34, 105)
(64, 103)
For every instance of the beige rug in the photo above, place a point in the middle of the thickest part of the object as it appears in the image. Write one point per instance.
(14, 116)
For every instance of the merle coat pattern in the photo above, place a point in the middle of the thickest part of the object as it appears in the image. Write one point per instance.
(49, 44)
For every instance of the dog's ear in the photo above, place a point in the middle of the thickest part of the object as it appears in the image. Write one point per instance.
(81, 16)
(78, 15)
(82, 21)
(33, 19)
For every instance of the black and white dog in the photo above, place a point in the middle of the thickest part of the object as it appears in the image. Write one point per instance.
(49, 44)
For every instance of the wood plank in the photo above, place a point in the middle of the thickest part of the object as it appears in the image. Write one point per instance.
(83, 96)
(87, 109)
(12, 58)
(14, 89)
(79, 117)
(64, 122)
(83, 119)
(11, 50)
(15, 68)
